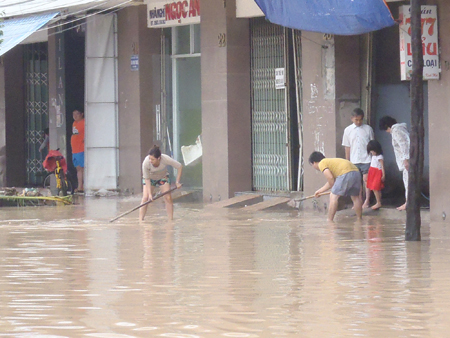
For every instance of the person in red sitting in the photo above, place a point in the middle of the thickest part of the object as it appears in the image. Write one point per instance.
(77, 143)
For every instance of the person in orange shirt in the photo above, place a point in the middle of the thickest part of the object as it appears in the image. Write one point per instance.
(77, 142)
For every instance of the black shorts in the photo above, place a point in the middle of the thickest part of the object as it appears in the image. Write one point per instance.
(363, 167)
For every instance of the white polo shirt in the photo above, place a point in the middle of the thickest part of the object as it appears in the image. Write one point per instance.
(357, 138)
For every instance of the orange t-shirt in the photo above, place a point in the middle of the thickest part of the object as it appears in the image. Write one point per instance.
(77, 140)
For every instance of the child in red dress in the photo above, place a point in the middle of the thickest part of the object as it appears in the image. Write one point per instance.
(375, 179)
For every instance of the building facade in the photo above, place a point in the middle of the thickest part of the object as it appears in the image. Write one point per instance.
(261, 97)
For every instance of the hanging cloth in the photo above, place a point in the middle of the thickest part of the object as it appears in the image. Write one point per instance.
(339, 17)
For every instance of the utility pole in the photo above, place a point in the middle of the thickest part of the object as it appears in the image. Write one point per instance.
(415, 171)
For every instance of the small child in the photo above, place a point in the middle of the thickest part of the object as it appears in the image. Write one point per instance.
(375, 179)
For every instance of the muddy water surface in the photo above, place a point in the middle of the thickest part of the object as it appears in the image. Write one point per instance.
(68, 272)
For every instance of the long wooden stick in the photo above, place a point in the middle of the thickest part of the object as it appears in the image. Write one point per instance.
(158, 195)
(312, 196)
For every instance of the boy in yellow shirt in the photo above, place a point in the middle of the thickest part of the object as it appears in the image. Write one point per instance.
(343, 178)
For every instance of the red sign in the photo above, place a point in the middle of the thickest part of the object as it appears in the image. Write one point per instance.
(431, 68)
(166, 14)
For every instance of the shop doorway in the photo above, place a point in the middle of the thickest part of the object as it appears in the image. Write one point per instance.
(36, 109)
(391, 96)
(74, 52)
(276, 107)
(178, 119)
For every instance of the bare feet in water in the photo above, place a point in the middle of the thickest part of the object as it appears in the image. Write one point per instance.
(402, 207)
(376, 206)
(365, 205)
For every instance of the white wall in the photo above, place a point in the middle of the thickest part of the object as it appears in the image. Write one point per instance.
(247, 9)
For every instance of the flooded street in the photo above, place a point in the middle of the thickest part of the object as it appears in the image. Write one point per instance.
(68, 272)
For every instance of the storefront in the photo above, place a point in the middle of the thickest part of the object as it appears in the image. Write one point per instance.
(276, 107)
(47, 76)
(391, 96)
(178, 113)
(159, 86)
(83, 71)
(25, 95)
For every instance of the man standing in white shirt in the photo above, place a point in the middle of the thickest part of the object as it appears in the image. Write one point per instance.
(355, 140)
(401, 144)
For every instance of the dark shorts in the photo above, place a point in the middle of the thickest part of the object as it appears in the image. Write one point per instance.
(363, 167)
(78, 159)
(348, 184)
(158, 183)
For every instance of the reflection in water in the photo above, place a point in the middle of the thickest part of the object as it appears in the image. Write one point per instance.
(68, 272)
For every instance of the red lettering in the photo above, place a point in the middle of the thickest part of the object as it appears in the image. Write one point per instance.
(174, 11)
(184, 10)
(424, 22)
(194, 8)
(168, 10)
(179, 9)
(434, 51)
(409, 51)
(431, 22)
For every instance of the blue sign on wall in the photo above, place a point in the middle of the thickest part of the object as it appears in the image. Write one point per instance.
(134, 62)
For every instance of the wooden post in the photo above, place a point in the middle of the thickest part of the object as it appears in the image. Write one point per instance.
(412, 232)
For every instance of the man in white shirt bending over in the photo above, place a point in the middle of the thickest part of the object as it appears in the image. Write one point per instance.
(355, 140)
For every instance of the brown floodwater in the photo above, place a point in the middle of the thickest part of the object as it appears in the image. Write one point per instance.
(66, 271)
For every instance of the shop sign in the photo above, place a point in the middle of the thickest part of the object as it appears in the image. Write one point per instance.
(431, 68)
(280, 78)
(173, 13)
(134, 62)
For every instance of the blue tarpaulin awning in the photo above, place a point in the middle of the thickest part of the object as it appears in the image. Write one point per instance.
(18, 29)
(340, 17)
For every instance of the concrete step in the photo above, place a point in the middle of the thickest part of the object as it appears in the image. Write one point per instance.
(269, 203)
(238, 201)
(181, 195)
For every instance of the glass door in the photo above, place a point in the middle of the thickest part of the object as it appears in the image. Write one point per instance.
(186, 103)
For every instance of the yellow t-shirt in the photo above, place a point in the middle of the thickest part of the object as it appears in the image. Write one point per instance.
(337, 166)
